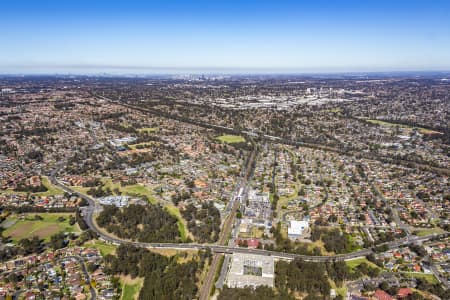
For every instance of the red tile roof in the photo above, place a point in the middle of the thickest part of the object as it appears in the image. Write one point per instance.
(382, 295)
(404, 292)
(253, 243)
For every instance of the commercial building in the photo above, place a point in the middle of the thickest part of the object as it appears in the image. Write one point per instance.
(119, 201)
(251, 270)
(296, 229)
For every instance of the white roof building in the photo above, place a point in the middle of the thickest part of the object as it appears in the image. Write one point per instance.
(119, 201)
(296, 228)
(251, 270)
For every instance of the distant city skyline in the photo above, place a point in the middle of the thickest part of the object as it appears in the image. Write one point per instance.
(224, 36)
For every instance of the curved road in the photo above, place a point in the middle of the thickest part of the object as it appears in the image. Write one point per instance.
(281, 140)
(88, 213)
(88, 216)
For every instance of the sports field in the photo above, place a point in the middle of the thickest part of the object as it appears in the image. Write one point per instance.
(142, 145)
(29, 226)
(428, 231)
(388, 124)
(231, 139)
(148, 129)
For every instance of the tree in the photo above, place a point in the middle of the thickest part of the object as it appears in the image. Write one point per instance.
(384, 286)
(144, 223)
(332, 218)
(33, 245)
(91, 267)
(57, 241)
(72, 220)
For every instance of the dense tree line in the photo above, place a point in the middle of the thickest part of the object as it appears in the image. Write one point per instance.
(99, 192)
(419, 249)
(176, 282)
(92, 182)
(58, 241)
(121, 128)
(81, 222)
(26, 188)
(9, 252)
(339, 271)
(203, 223)
(38, 131)
(86, 236)
(304, 277)
(37, 209)
(145, 223)
(103, 116)
(164, 278)
(435, 289)
(31, 245)
(64, 105)
(178, 197)
(27, 246)
(249, 293)
(36, 155)
(334, 239)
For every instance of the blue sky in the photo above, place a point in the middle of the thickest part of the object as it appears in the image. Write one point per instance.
(249, 36)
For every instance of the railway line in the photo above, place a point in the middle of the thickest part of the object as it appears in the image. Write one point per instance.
(220, 247)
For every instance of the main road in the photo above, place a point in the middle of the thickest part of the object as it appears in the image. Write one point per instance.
(88, 214)
(228, 224)
(280, 140)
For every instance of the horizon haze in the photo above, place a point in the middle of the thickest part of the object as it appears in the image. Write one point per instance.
(141, 37)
